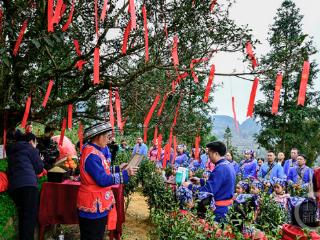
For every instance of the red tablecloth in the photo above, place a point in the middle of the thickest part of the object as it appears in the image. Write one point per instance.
(58, 205)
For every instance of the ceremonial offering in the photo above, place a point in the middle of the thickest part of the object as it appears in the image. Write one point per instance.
(182, 175)
(56, 174)
(135, 161)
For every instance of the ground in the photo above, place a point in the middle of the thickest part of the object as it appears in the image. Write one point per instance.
(136, 226)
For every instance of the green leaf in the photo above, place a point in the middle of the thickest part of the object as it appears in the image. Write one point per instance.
(36, 43)
(49, 42)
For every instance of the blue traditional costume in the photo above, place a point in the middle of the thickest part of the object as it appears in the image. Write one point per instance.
(300, 175)
(221, 185)
(268, 172)
(235, 166)
(248, 167)
(182, 159)
(288, 164)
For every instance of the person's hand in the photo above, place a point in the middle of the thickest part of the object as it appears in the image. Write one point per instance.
(195, 180)
(132, 171)
(296, 186)
(185, 184)
(123, 165)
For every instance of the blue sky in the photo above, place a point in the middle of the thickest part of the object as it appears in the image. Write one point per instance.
(258, 14)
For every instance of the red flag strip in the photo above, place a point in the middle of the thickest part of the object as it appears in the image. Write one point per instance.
(57, 12)
(197, 148)
(176, 113)
(46, 97)
(104, 10)
(118, 111)
(235, 115)
(111, 114)
(155, 134)
(69, 116)
(145, 25)
(166, 156)
(303, 83)
(96, 17)
(26, 113)
(251, 55)
(80, 136)
(126, 38)
(174, 52)
(148, 118)
(66, 25)
(77, 47)
(252, 97)
(50, 15)
(159, 146)
(170, 142)
(212, 5)
(63, 129)
(124, 122)
(276, 95)
(132, 10)
(162, 105)
(19, 40)
(209, 84)
(193, 61)
(174, 149)
(96, 70)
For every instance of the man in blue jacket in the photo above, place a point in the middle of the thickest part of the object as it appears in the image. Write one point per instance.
(221, 182)
(24, 163)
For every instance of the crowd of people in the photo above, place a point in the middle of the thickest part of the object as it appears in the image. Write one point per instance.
(223, 181)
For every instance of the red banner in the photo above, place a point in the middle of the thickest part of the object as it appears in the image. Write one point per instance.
(19, 40)
(132, 10)
(174, 52)
(80, 135)
(193, 62)
(251, 56)
(209, 84)
(50, 15)
(26, 113)
(252, 97)
(235, 115)
(146, 38)
(63, 130)
(46, 97)
(118, 111)
(69, 116)
(176, 113)
(57, 12)
(303, 83)
(126, 38)
(149, 115)
(66, 25)
(162, 105)
(77, 47)
(111, 114)
(276, 95)
(155, 134)
(166, 156)
(96, 70)
(104, 10)
(197, 148)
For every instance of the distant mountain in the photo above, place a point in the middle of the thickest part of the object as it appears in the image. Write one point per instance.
(242, 140)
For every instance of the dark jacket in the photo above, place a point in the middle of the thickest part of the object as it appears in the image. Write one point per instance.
(24, 163)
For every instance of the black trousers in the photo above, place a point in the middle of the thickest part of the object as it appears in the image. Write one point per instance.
(92, 229)
(26, 200)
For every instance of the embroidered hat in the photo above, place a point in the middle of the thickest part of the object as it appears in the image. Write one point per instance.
(97, 129)
(244, 185)
(282, 182)
(184, 195)
(258, 184)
